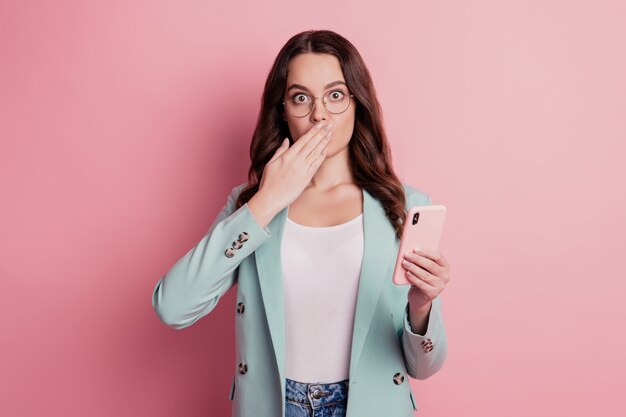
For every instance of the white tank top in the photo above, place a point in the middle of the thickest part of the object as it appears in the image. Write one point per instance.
(321, 268)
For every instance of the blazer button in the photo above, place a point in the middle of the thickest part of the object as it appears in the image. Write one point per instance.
(230, 252)
(398, 378)
(427, 345)
(243, 368)
(237, 244)
(240, 308)
(243, 237)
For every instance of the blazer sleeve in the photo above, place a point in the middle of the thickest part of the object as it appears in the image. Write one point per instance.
(192, 287)
(420, 360)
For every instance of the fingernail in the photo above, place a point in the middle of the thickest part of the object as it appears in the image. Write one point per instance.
(318, 126)
(328, 127)
(418, 249)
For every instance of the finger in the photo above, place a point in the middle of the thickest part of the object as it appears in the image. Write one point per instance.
(418, 271)
(426, 289)
(314, 134)
(281, 149)
(314, 141)
(316, 163)
(433, 254)
(415, 291)
(319, 148)
(422, 261)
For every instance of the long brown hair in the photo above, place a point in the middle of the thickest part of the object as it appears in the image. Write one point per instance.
(370, 154)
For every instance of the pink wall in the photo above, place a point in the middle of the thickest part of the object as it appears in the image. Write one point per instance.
(123, 126)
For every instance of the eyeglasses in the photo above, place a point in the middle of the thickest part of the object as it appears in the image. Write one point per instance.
(301, 104)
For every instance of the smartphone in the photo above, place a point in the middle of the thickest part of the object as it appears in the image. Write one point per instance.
(423, 226)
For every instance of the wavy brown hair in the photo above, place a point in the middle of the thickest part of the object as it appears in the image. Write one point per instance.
(370, 154)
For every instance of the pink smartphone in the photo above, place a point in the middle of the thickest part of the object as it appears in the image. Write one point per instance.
(423, 226)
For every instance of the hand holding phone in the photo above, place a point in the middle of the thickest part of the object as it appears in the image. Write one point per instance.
(423, 226)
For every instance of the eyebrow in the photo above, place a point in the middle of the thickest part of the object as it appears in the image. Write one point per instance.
(301, 87)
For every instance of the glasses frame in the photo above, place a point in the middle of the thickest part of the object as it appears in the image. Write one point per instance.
(315, 98)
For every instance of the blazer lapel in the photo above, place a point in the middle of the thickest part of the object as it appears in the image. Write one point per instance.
(378, 258)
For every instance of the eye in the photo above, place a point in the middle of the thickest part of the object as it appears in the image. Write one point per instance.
(336, 95)
(299, 98)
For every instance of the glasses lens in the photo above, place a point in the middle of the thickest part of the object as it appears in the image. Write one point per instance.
(300, 104)
(337, 101)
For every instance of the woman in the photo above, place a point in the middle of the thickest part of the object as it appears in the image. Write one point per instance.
(311, 241)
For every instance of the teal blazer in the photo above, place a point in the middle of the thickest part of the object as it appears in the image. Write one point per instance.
(237, 250)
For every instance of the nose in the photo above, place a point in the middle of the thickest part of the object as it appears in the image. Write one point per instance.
(318, 113)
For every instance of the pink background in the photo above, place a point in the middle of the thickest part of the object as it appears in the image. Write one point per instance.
(123, 126)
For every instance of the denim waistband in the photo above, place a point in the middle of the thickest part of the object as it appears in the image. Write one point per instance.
(316, 394)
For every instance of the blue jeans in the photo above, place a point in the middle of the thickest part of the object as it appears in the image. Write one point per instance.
(316, 400)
